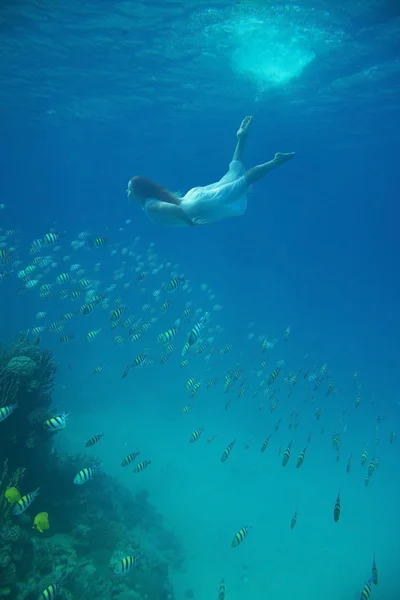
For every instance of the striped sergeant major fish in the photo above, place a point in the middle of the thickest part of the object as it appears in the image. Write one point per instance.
(168, 336)
(50, 238)
(337, 509)
(125, 565)
(94, 440)
(57, 423)
(85, 474)
(50, 592)
(197, 329)
(139, 360)
(286, 454)
(195, 435)
(221, 590)
(300, 458)
(129, 459)
(141, 466)
(367, 589)
(6, 411)
(173, 284)
(227, 451)
(349, 462)
(25, 502)
(239, 537)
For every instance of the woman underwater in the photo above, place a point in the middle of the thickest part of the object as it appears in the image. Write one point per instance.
(218, 201)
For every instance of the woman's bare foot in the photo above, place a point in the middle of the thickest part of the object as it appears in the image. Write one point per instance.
(244, 128)
(281, 157)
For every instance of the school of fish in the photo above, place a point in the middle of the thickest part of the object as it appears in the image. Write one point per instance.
(168, 324)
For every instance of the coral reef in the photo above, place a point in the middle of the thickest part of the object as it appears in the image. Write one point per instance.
(70, 535)
(26, 378)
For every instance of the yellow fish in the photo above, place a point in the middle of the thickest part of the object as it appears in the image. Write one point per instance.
(41, 522)
(12, 495)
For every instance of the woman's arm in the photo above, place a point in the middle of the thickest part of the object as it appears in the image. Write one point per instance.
(170, 209)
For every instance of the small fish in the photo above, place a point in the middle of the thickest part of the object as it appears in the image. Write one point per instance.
(173, 285)
(337, 509)
(129, 459)
(85, 474)
(273, 376)
(50, 592)
(139, 360)
(371, 468)
(165, 306)
(167, 336)
(92, 334)
(24, 502)
(6, 411)
(374, 575)
(94, 440)
(367, 589)
(364, 457)
(294, 520)
(141, 466)
(57, 423)
(117, 314)
(126, 372)
(197, 329)
(227, 451)
(98, 242)
(50, 238)
(239, 537)
(185, 349)
(4, 257)
(264, 445)
(348, 466)
(300, 458)
(125, 565)
(286, 455)
(87, 309)
(221, 590)
(195, 435)
(66, 338)
(63, 278)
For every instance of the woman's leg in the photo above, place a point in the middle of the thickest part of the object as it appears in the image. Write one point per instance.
(241, 138)
(259, 171)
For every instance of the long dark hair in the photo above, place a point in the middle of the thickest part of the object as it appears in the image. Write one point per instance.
(144, 188)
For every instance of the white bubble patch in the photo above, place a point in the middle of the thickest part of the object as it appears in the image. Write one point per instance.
(269, 45)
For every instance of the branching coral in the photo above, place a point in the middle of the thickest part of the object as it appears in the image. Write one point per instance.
(7, 482)
(8, 388)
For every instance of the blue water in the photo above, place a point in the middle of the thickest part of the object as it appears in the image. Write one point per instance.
(92, 95)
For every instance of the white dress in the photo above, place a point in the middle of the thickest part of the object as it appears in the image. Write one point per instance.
(218, 201)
